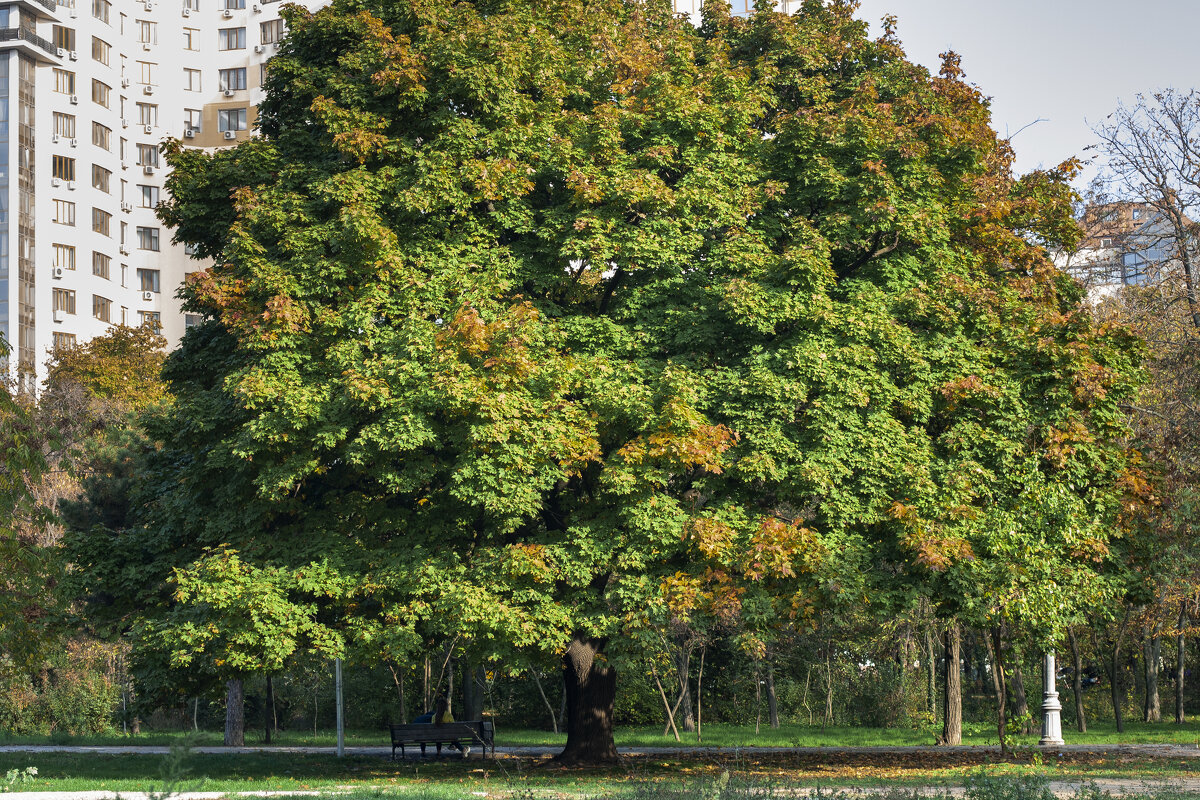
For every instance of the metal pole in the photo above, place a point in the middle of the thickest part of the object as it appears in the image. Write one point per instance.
(1051, 708)
(341, 729)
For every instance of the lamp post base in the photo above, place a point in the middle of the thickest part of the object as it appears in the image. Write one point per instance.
(1051, 707)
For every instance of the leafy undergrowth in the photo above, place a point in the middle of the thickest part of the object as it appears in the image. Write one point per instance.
(510, 777)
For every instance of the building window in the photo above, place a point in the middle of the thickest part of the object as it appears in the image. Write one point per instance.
(64, 212)
(148, 280)
(231, 119)
(64, 81)
(191, 5)
(271, 31)
(232, 78)
(100, 264)
(147, 114)
(63, 341)
(149, 196)
(146, 70)
(101, 178)
(147, 155)
(147, 240)
(101, 308)
(101, 222)
(234, 4)
(64, 37)
(101, 93)
(64, 256)
(191, 320)
(100, 51)
(191, 80)
(147, 31)
(231, 39)
(191, 38)
(192, 118)
(64, 300)
(63, 168)
(151, 320)
(64, 125)
(101, 9)
(101, 136)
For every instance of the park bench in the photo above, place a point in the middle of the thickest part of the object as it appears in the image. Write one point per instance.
(480, 732)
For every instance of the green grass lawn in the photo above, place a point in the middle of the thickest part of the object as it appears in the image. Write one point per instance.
(527, 779)
(718, 735)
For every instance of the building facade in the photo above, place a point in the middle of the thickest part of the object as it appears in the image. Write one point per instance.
(89, 89)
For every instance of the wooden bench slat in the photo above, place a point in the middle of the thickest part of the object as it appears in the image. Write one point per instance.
(481, 732)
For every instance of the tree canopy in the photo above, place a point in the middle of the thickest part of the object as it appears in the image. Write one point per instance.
(534, 325)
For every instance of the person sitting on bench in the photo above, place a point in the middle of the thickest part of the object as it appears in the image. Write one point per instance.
(440, 715)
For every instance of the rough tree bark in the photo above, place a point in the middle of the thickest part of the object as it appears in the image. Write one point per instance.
(269, 711)
(1151, 657)
(681, 654)
(591, 688)
(999, 682)
(952, 690)
(235, 713)
(1020, 703)
(1077, 682)
(931, 673)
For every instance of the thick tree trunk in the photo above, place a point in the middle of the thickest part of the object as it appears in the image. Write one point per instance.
(591, 689)
(686, 715)
(1151, 658)
(1077, 682)
(1020, 703)
(999, 683)
(1179, 662)
(772, 700)
(474, 691)
(952, 697)
(235, 713)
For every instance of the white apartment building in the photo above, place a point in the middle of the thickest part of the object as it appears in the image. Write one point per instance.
(88, 91)
(87, 94)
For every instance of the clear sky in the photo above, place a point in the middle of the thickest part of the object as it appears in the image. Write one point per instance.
(1065, 61)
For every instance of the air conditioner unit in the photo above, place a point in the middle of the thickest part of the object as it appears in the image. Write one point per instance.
(277, 44)
(146, 46)
(74, 12)
(147, 295)
(59, 315)
(190, 249)
(71, 185)
(74, 99)
(54, 138)
(189, 133)
(229, 92)
(227, 13)
(257, 8)
(230, 135)
(57, 272)
(127, 206)
(74, 143)
(147, 89)
(124, 165)
(124, 83)
(55, 182)
(149, 6)
(149, 129)
(60, 51)
(124, 123)
(74, 56)
(258, 48)
(187, 12)
(123, 250)
(148, 169)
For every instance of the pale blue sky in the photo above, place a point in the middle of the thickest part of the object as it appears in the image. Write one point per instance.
(1066, 61)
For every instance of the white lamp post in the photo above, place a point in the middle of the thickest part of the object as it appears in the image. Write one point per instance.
(1051, 708)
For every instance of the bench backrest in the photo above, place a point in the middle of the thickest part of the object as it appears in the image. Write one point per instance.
(483, 730)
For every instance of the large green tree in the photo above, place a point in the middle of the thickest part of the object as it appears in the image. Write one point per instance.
(534, 325)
